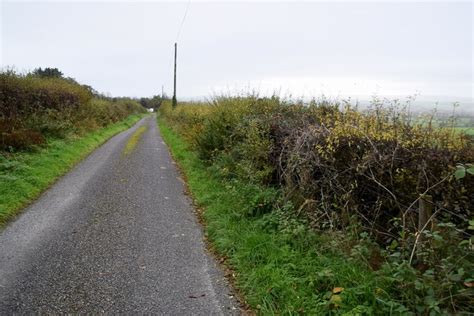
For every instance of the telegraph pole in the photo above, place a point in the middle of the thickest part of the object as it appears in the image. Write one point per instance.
(175, 102)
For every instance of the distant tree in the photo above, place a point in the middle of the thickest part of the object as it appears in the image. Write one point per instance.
(153, 102)
(47, 73)
(144, 102)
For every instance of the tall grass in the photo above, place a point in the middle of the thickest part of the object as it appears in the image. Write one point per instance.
(360, 174)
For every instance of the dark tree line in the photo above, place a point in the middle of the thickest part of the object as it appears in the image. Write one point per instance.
(154, 102)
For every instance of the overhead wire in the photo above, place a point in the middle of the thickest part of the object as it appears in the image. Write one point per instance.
(182, 21)
(179, 31)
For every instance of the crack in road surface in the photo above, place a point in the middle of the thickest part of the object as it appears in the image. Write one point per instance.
(117, 234)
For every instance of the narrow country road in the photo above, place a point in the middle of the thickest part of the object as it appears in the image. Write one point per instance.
(117, 234)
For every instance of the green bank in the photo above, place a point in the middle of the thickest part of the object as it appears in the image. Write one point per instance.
(25, 175)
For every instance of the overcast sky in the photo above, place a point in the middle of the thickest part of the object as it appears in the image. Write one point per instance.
(303, 48)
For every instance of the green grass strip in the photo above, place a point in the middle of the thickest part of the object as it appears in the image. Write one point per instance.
(134, 139)
(278, 271)
(25, 175)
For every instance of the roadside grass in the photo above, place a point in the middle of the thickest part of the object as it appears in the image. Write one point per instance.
(25, 175)
(280, 266)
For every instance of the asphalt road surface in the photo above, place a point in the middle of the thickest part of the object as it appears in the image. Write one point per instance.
(117, 234)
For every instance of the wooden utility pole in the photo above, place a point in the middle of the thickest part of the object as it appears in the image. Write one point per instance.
(162, 92)
(175, 57)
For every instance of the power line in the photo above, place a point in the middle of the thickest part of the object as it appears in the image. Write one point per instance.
(174, 100)
(182, 22)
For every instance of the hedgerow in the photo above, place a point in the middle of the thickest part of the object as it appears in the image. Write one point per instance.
(33, 108)
(376, 173)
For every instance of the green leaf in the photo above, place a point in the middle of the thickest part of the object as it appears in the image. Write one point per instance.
(470, 170)
(471, 225)
(460, 172)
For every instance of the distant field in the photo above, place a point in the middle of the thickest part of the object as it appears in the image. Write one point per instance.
(467, 130)
(462, 124)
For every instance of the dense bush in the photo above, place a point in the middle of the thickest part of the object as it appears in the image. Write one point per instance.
(347, 170)
(34, 107)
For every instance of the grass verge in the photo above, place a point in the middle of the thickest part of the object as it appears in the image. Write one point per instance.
(280, 266)
(25, 175)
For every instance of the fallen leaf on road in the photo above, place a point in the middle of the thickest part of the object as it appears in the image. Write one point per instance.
(193, 296)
